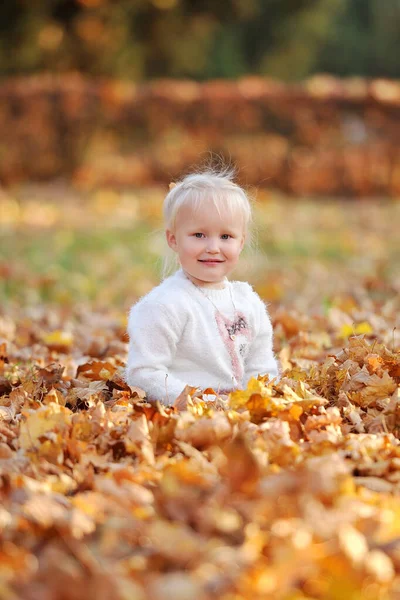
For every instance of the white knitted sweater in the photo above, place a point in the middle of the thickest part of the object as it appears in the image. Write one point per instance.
(177, 338)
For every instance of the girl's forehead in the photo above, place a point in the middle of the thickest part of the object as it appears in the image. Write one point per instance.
(208, 215)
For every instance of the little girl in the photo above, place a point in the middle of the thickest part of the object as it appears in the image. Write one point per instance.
(198, 328)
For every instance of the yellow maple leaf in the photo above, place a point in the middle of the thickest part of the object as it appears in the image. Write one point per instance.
(239, 398)
(296, 411)
(348, 330)
(41, 422)
(59, 338)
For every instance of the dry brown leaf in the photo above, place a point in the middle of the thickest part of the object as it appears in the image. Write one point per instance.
(137, 439)
(174, 541)
(205, 431)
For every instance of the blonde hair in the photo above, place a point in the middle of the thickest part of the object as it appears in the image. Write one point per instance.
(194, 190)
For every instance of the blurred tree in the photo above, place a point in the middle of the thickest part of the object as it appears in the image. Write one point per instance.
(363, 40)
(298, 39)
(152, 38)
(139, 39)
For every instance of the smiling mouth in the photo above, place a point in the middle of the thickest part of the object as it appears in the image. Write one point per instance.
(213, 261)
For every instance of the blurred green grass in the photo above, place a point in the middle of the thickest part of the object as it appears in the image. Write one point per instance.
(59, 265)
(110, 252)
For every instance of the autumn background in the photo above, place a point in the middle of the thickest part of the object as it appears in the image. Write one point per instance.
(293, 492)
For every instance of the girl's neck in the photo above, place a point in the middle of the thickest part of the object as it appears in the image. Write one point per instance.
(220, 285)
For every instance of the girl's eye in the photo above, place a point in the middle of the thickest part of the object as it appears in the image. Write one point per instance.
(224, 236)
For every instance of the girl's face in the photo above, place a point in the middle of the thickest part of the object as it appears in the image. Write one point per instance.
(208, 245)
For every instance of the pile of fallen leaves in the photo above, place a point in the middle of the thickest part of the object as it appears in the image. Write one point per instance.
(292, 492)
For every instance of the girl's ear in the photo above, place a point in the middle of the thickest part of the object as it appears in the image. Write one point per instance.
(242, 241)
(171, 239)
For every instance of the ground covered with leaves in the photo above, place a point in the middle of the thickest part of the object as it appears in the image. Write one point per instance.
(291, 493)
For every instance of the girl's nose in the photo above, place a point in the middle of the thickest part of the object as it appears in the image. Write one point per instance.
(212, 245)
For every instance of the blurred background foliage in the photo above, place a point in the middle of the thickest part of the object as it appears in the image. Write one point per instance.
(200, 39)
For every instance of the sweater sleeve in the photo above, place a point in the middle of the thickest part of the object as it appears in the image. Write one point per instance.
(153, 335)
(260, 359)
